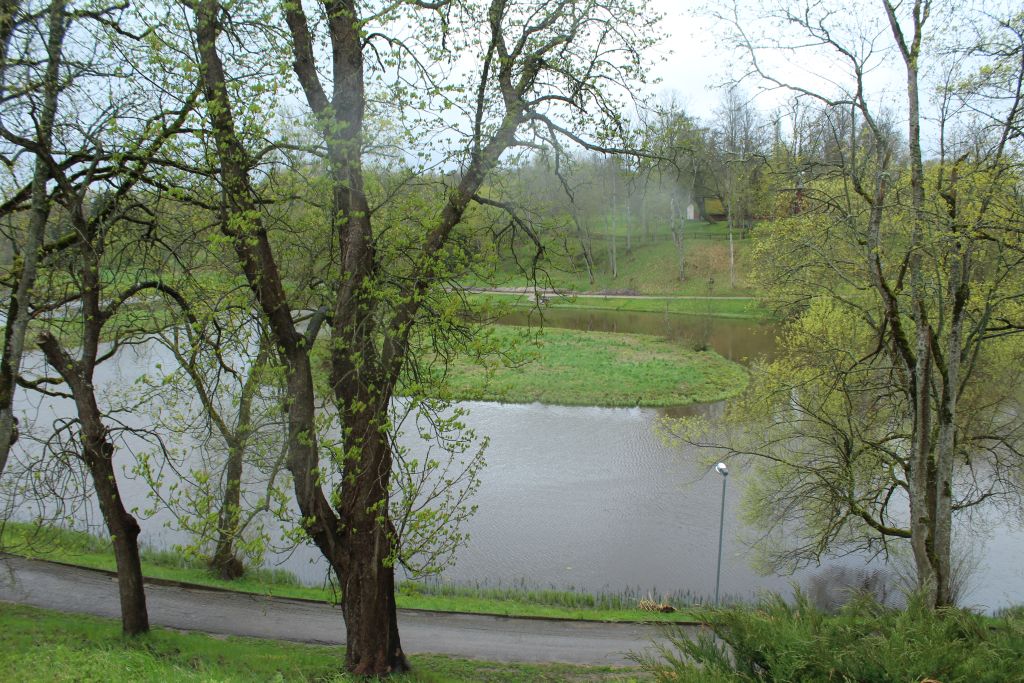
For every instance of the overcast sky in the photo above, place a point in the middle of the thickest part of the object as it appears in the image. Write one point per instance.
(698, 60)
(694, 62)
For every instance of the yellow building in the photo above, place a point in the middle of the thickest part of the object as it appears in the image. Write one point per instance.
(714, 209)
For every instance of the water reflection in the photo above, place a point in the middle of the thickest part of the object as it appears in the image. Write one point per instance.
(738, 340)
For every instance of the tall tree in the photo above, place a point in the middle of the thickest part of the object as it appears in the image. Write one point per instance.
(539, 68)
(94, 135)
(681, 161)
(30, 85)
(740, 154)
(85, 328)
(906, 282)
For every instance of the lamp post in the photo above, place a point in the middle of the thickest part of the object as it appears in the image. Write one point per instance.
(724, 471)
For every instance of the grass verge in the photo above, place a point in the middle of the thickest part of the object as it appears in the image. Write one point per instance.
(86, 550)
(652, 267)
(569, 367)
(746, 308)
(40, 645)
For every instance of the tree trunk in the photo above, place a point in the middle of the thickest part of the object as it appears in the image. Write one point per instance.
(958, 294)
(629, 227)
(124, 534)
(224, 563)
(644, 223)
(611, 223)
(730, 211)
(373, 646)
(732, 260)
(98, 455)
(367, 652)
(931, 516)
(372, 643)
(613, 263)
(920, 478)
(678, 237)
(583, 235)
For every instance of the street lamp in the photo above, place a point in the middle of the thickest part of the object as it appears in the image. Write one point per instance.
(724, 471)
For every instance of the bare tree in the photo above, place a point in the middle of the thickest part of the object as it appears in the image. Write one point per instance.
(740, 155)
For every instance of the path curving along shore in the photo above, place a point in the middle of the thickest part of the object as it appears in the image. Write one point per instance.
(505, 639)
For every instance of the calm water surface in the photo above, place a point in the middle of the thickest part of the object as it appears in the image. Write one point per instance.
(591, 498)
(736, 339)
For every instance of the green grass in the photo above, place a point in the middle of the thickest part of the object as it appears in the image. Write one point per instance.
(86, 550)
(39, 645)
(720, 307)
(652, 268)
(535, 602)
(569, 367)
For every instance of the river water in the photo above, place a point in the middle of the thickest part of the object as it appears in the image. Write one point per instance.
(591, 499)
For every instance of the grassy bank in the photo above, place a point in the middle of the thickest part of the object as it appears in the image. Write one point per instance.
(651, 268)
(720, 307)
(569, 367)
(39, 645)
(86, 550)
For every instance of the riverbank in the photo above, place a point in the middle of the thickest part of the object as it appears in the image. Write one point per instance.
(652, 266)
(85, 550)
(41, 645)
(742, 307)
(570, 367)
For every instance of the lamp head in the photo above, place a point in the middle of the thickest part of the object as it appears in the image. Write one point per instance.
(722, 469)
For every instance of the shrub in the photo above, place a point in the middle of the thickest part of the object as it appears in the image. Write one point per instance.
(864, 641)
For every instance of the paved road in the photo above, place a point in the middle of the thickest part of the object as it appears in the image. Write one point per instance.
(73, 589)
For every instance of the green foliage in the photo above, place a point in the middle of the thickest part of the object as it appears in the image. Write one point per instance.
(218, 407)
(827, 425)
(822, 427)
(433, 492)
(779, 641)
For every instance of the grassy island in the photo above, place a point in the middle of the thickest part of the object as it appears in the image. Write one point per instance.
(569, 367)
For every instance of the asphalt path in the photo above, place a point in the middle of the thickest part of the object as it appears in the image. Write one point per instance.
(504, 639)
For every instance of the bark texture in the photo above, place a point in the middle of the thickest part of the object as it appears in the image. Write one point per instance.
(98, 452)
